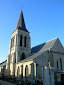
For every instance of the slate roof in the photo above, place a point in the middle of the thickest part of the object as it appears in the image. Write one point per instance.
(21, 23)
(45, 46)
(37, 48)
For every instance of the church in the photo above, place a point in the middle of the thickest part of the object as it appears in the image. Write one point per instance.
(43, 62)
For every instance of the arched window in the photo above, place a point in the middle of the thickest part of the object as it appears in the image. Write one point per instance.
(18, 72)
(61, 63)
(25, 39)
(22, 56)
(57, 65)
(26, 71)
(21, 40)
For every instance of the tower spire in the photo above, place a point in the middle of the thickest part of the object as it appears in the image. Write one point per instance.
(21, 23)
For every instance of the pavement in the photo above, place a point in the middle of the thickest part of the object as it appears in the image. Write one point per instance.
(5, 83)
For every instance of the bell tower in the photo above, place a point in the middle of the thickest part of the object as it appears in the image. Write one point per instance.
(20, 47)
(23, 47)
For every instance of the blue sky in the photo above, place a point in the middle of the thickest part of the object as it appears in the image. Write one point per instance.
(43, 18)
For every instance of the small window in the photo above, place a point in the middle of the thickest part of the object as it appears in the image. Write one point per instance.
(25, 39)
(57, 65)
(23, 56)
(21, 40)
(61, 63)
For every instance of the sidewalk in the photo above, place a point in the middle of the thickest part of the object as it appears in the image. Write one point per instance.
(5, 83)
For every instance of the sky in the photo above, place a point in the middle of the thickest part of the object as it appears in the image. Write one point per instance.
(43, 18)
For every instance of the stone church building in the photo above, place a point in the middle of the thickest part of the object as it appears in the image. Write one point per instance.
(43, 62)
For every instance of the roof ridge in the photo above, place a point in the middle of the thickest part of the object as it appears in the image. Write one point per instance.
(45, 42)
(53, 39)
